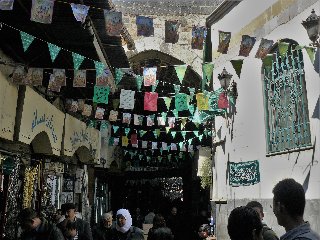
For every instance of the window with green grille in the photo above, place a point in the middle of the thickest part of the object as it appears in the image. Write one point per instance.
(286, 106)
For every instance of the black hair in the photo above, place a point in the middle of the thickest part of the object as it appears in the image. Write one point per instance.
(242, 221)
(204, 228)
(291, 194)
(255, 204)
(158, 221)
(26, 215)
(71, 225)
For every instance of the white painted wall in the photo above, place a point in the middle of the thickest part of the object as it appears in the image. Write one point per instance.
(249, 141)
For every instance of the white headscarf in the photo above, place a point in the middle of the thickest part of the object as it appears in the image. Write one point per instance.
(127, 216)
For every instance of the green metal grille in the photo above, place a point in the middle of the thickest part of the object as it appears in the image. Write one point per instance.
(287, 118)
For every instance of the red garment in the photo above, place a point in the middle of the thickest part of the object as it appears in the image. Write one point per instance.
(151, 101)
(223, 101)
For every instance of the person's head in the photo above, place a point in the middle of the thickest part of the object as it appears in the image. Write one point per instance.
(174, 210)
(107, 220)
(288, 200)
(138, 211)
(29, 219)
(203, 213)
(158, 221)
(258, 207)
(69, 210)
(244, 224)
(71, 229)
(124, 220)
(204, 231)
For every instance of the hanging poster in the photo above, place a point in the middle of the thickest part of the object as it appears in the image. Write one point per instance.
(246, 45)
(127, 99)
(144, 26)
(80, 11)
(124, 141)
(198, 37)
(134, 139)
(126, 118)
(150, 76)
(202, 101)
(244, 173)
(105, 78)
(101, 94)
(144, 144)
(53, 84)
(264, 48)
(79, 79)
(174, 147)
(151, 101)
(68, 184)
(66, 197)
(99, 113)
(171, 31)
(224, 40)
(60, 76)
(87, 110)
(154, 145)
(150, 120)
(34, 77)
(113, 22)
(164, 146)
(42, 11)
(137, 119)
(161, 121)
(6, 4)
(113, 116)
(171, 122)
(18, 75)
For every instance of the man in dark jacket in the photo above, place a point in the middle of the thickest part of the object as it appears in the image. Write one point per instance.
(267, 233)
(83, 227)
(288, 206)
(37, 228)
(104, 230)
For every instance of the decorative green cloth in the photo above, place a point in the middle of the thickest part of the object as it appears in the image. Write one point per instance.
(27, 39)
(101, 94)
(181, 71)
(181, 102)
(77, 60)
(54, 51)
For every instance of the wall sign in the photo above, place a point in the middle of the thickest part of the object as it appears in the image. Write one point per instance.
(244, 173)
(38, 116)
(8, 105)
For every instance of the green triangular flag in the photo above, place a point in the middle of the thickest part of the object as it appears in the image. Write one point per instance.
(207, 70)
(115, 128)
(191, 90)
(200, 137)
(139, 80)
(231, 99)
(176, 88)
(164, 116)
(298, 47)
(173, 134)
(119, 74)
(311, 52)
(181, 71)
(283, 48)
(196, 133)
(176, 113)
(126, 131)
(167, 101)
(155, 134)
(267, 61)
(77, 60)
(158, 132)
(154, 87)
(237, 65)
(99, 66)
(142, 132)
(183, 133)
(161, 150)
(191, 109)
(54, 51)
(167, 129)
(27, 39)
(190, 141)
(180, 145)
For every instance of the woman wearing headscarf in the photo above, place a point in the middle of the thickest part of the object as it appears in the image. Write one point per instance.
(124, 229)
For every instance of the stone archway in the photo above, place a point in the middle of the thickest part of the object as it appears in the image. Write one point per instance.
(41, 144)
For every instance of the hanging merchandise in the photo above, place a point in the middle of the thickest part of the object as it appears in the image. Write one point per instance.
(6, 4)
(42, 11)
(174, 147)
(144, 26)
(154, 145)
(181, 102)
(105, 78)
(80, 11)
(77, 60)
(53, 50)
(151, 101)
(125, 141)
(150, 120)
(202, 102)
(126, 118)
(79, 79)
(134, 139)
(264, 48)
(113, 116)
(176, 88)
(99, 113)
(144, 144)
(34, 76)
(137, 119)
(99, 66)
(127, 99)
(26, 39)
(28, 188)
(87, 110)
(167, 101)
(246, 46)
(181, 71)
(150, 76)
(171, 31)
(113, 23)
(207, 70)
(198, 37)
(101, 94)
(139, 80)
(224, 40)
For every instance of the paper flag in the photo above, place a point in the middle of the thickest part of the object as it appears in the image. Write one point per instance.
(151, 101)
(101, 94)
(171, 121)
(79, 79)
(246, 46)
(224, 40)
(181, 102)
(105, 78)
(154, 145)
(42, 11)
(267, 61)
(115, 128)
(283, 48)
(191, 109)
(174, 147)
(140, 157)
(99, 113)
(164, 116)
(54, 51)
(202, 101)
(311, 53)
(180, 145)
(119, 74)
(183, 122)
(192, 91)
(200, 137)
(164, 146)
(139, 80)
(126, 118)
(237, 65)
(137, 119)
(104, 125)
(87, 110)
(167, 101)
(150, 120)
(154, 87)
(111, 141)
(113, 116)
(127, 99)
(99, 66)
(173, 134)
(155, 134)
(126, 131)
(116, 141)
(181, 71)
(80, 12)
(264, 48)
(207, 70)
(158, 132)
(196, 133)
(150, 76)
(161, 121)
(183, 133)
(223, 101)
(144, 144)
(6, 4)
(27, 39)
(92, 124)
(175, 113)
(176, 88)
(167, 129)
(77, 60)
(125, 141)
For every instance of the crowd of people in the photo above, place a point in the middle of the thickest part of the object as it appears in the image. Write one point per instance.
(244, 222)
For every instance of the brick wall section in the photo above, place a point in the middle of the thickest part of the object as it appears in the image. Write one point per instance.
(187, 12)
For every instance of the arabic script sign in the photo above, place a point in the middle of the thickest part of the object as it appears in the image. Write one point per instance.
(244, 173)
